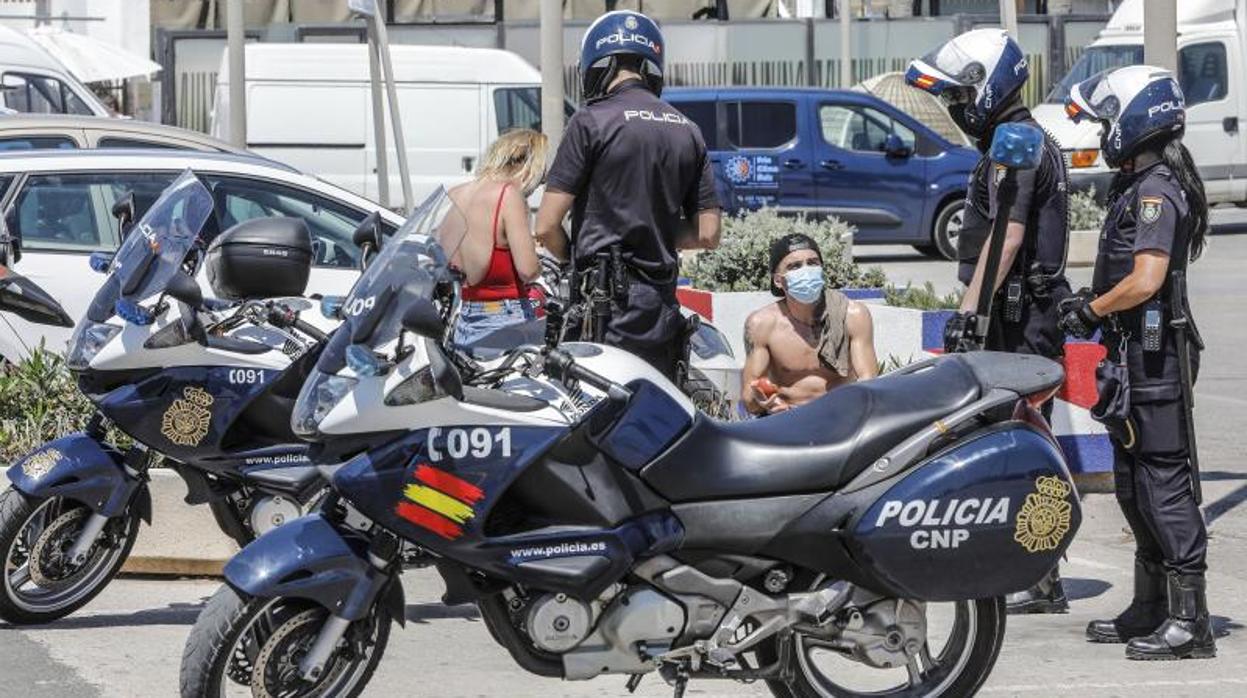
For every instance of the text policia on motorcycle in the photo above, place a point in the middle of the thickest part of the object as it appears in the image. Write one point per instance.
(1156, 223)
(606, 172)
(979, 76)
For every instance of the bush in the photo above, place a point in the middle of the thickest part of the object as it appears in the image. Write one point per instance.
(740, 262)
(39, 401)
(1084, 212)
(924, 298)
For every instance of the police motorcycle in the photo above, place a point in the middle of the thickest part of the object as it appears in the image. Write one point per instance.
(205, 386)
(861, 544)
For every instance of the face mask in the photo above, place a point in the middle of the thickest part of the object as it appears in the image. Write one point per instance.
(805, 285)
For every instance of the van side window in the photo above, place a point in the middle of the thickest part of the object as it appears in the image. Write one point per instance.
(1202, 72)
(761, 124)
(38, 94)
(517, 107)
(703, 114)
(860, 128)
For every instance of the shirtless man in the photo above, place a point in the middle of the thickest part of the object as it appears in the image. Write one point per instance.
(794, 351)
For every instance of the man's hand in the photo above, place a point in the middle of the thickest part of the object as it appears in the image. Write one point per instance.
(955, 330)
(1077, 317)
(774, 405)
(549, 232)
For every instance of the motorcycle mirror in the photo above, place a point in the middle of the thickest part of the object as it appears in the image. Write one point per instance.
(331, 307)
(123, 211)
(184, 288)
(423, 319)
(25, 299)
(100, 261)
(367, 237)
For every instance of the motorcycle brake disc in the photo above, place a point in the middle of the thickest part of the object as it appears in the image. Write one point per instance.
(47, 562)
(276, 668)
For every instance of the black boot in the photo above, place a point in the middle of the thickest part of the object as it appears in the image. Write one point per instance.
(1048, 596)
(1187, 632)
(1144, 614)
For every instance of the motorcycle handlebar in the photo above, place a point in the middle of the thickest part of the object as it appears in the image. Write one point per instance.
(561, 365)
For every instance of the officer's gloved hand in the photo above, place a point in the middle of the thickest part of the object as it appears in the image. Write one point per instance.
(955, 330)
(1077, 317)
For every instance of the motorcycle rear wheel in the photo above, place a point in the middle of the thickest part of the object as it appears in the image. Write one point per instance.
(40, 530)
(959, 668)
(243, 646)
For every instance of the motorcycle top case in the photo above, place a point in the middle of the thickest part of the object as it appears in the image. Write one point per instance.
(261, 258)
(987, 517)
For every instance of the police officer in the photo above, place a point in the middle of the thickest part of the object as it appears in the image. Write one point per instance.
(635, 174)
(979, 75)
(1157, 220)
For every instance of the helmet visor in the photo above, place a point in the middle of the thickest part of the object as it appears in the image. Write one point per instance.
(1093, 99)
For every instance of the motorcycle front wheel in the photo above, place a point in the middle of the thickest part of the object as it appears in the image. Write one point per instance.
(40, 584)
(249, 646)
(962, 641)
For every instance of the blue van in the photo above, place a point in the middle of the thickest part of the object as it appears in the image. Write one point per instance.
(833, 152)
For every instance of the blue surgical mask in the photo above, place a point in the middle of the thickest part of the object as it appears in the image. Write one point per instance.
(805, 285)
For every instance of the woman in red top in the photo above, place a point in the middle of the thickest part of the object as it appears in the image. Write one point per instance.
(499, 255)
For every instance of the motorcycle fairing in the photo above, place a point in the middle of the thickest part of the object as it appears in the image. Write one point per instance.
(309, 558)
(82, 469)
(649, 424)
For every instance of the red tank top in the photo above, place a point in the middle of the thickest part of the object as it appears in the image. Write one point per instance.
(501, 281)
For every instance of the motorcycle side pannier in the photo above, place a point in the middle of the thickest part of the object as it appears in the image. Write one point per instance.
(261, 258)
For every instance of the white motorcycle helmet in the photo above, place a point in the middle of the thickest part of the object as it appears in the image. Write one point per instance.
(976, 75)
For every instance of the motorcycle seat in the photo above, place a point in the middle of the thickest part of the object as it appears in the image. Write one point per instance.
(817, 447)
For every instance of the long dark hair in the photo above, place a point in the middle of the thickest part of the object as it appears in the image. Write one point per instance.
(1178, 159)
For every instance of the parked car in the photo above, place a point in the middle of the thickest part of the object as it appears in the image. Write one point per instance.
(833, 153)
(59, 203)
(309, 105)
(1212, 67)
(63, 131)
(35, 82)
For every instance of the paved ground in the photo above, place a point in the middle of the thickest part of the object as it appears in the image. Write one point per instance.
(129, 641)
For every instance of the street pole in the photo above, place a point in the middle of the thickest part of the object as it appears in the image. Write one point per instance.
(1160, 34)
(1009, 17)
(236, 36)
(846, 49)
(378, 123)
(391, 90)
(552, 71)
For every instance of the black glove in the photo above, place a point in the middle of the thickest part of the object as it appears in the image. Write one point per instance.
(1077, 317)
(955, 330)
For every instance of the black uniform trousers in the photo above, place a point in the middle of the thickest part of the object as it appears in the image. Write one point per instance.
(1035, 333)
(646, 323)
(1153, 475)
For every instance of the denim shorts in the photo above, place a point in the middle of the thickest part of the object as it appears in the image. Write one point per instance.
(488, 328)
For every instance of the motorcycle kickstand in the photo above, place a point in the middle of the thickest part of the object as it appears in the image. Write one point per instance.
(633, 682)
(681, 681)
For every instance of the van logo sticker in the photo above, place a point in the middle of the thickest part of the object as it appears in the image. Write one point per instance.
(38, 464)
(187, 420)
(757, 171)
(1044, 519)
(738, 169)
(1149, 208)
(439, 502)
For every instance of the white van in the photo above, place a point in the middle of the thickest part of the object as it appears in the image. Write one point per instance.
(1211, 70)
(35, 82)
(309, 105)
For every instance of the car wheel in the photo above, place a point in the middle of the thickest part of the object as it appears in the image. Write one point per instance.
(945, 231)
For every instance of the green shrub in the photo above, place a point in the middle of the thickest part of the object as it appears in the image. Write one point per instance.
(924, 298)
(740, 262)
(39, 401)
(1084, 212)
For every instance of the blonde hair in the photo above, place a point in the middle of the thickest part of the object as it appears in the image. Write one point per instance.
(520, 155)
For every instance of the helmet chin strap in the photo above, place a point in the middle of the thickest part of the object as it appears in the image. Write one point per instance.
(1013, 111)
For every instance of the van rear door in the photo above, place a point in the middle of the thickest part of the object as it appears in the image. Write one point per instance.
(442, 128)
(1209, 70)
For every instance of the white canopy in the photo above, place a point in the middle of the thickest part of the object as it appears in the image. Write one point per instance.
(91, 60)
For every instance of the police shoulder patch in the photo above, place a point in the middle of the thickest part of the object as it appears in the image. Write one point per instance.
(1000, 172)
(1149, 208)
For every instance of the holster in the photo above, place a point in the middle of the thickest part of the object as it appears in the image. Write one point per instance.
(1112, 408)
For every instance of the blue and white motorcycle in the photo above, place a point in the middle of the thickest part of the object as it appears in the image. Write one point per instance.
(205, 386)
(861, 544)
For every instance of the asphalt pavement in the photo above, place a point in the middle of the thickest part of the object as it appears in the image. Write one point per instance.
(129, 641)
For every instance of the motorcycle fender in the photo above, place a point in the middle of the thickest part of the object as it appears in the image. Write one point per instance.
(988, 516)
(83, 469)
(311, 559)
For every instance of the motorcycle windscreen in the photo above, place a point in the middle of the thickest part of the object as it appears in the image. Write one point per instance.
(988, 517)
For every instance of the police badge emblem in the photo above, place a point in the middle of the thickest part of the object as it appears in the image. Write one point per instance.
(187, 420)
(38, 464)
(630, 23)
(1044, 519)
(1149, 208)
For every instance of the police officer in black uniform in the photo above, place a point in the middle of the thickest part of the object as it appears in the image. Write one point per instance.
(636, 177)
(1157, 220)
(979, 75)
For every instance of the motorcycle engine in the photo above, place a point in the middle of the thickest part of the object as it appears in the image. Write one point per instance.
(270, 512)
(557, 622)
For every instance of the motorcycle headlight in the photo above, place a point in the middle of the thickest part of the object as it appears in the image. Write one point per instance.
(320, 394)
(86, 342)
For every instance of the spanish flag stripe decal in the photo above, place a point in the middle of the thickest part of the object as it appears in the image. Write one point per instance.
(430, 498)
(424, 518)
(449, 484)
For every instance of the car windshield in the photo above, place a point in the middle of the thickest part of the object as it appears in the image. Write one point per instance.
(156, 247)
(1092, 61)
(410, 265)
